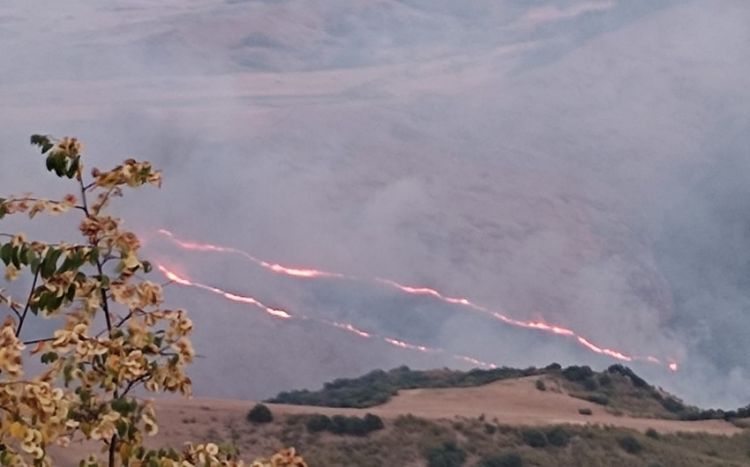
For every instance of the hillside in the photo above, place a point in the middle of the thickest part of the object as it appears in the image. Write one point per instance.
(524, 155)
(617, 389)
(503, 421)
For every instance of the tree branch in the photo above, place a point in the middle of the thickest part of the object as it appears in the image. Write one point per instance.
(22, 318)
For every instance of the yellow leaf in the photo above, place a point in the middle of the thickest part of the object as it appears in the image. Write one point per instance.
(17, 430)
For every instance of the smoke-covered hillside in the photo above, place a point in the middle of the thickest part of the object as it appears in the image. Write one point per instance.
(573, 162)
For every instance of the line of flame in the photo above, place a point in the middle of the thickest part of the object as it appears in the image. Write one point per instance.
(283, 314)
(310, 273)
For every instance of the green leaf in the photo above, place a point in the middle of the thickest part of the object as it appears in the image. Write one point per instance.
(49, 265)
(71, 294)
(49, 357)
(122, 428)
(34, 261)
(73, 169)
(68, 374)
(24, 255)
(15, 257)
(43, 141)
(50, 162)
(5, 253)
(94, 256)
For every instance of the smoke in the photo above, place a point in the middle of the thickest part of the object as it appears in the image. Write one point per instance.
(577, 162)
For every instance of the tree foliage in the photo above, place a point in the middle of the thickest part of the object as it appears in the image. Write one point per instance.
(115, 334)
(377, 387)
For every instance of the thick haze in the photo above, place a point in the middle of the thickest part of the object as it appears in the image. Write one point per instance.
(581, 162)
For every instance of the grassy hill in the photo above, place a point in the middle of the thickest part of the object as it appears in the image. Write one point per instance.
(412, 441)
(617, 388)
(482, 418)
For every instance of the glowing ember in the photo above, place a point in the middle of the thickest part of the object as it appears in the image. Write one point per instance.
(474, 361)
(599, 350)
(310, 273)
(350, 328)
(406, 345)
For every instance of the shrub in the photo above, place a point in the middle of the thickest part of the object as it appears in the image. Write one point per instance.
(490, 429)
(318, 423)
(342, 425)
(553, 367)
(510, 459)
(596, 398)
(540, 385)
(627, 372)
(672, 405)
(577, 373)
(630, 444)
(651, 433)
(448, 454)
(605, 379)
(558, 436)
(590, 384)
(585, 411)
(373, 422)
(260, 414)
(534, 438)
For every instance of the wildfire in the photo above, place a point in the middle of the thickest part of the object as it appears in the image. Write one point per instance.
(310, 273)
(278, 313)
(273, 267)
(172, 276)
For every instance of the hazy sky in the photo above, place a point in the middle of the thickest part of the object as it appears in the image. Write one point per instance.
(583, 163)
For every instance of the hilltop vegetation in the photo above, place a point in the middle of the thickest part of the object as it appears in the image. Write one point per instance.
(377, 387)
(618, 388)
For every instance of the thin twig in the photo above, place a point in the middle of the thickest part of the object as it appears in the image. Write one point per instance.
(28, 304)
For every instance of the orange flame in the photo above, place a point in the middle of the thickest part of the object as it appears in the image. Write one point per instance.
(172, 276)
(273, 267)
(425, 291)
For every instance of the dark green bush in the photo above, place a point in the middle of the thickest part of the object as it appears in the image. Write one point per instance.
(377, 387)
(373, 422)
(590, 384)
(448, 454)
(585, 411)
(534, 438)
(510, 459)
(540, 385)
(651, 433)
(630, 444)
(672, 405)
(490, 429)
(318, 423)
(558, 436)
(342, 425)
(625, 371)
(577, 373)
(597, 398)
(260, 413)
(605, 379)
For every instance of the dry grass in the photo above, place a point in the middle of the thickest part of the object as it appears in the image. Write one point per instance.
(483, 421)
